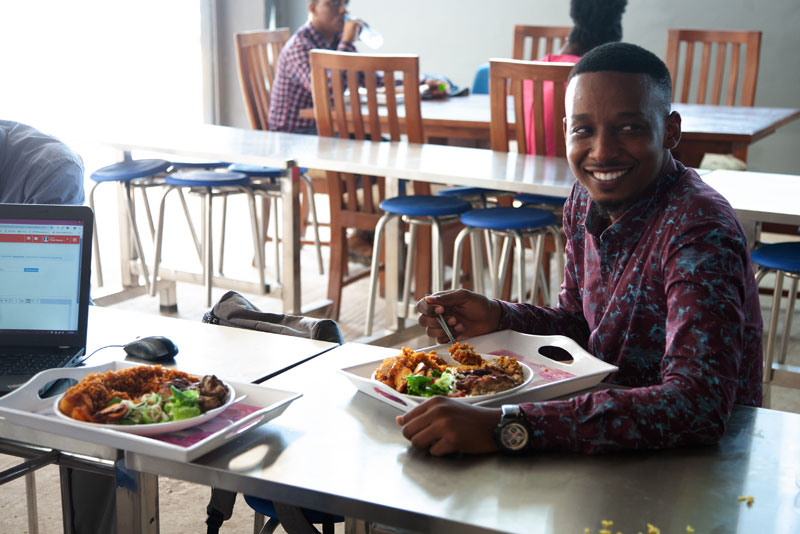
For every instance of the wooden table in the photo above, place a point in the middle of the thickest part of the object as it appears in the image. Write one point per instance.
(234, 354)
(340, 451)
(714, 129)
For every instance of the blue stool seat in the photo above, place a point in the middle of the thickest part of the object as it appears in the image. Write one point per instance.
(204, 178)
(530, 198)
(266, 508)
(778, 257)
(464, 191)
(178, 165)
(124, 171)
(425, 206)
(257, 171)
(505, 218)
(480, 84)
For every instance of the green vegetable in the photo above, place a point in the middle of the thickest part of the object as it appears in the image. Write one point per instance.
(182, 404)
(423, 386)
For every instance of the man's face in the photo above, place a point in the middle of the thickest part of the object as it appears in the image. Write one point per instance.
(327, 16)
(618, 134)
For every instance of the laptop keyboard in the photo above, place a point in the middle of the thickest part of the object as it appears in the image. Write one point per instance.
(17, 363)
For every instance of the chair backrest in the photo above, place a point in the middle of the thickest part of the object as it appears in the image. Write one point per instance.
(552, 37)
(539, 79)
(724, 62)
(256, 56)
(338, 110)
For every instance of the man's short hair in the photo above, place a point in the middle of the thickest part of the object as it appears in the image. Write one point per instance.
(628, 58)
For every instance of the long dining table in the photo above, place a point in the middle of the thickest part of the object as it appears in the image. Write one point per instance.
(705, 128)
(340, 451)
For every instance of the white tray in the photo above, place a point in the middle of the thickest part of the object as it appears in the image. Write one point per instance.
(25, 407)
(551, 378)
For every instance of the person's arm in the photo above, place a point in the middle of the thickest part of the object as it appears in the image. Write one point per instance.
(704, 279)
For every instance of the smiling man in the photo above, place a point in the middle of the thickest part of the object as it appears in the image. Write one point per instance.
(657, 282)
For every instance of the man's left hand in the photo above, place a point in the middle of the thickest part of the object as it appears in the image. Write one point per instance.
(445, 426)
(437, 87)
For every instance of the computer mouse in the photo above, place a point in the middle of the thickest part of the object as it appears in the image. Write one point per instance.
(153, 348)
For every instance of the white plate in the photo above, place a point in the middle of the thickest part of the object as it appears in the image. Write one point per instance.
(154, 428)
(527, 376)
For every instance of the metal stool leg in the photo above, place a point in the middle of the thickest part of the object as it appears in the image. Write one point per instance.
(787, 324)
(191, 224)
(314, 223)
(274, 209)
(208, 271)
(96, 239)
(520, 246)
(159, 241)
(258, 239)
(457, 246)
(437, 256)
(773, 327)
(137, 240)
(222, 233)
(409, 267)
(373, 272)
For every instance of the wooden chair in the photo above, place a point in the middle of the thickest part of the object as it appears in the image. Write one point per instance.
(355, 199)
(727, 67)
(257, 54)
(552, 37)
(507, 77)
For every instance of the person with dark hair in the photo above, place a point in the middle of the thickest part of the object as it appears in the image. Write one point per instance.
(657, 282)
(595, 22)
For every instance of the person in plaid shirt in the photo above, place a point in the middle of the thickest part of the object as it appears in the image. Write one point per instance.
(657, 282)
(291, 91)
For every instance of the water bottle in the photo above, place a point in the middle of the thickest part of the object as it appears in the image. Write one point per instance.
(368, 35)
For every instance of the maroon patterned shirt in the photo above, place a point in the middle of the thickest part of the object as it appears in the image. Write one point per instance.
(667, 294)
(291, 90)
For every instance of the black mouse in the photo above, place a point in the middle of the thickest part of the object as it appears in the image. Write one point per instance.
(153, 348)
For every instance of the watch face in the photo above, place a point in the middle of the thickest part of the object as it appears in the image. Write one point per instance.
(514, 436)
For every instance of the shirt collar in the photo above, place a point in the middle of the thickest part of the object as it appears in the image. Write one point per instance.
(318, 40)
(630, 225)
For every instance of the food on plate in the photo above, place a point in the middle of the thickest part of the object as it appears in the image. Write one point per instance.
(142, 395)
(426, 374)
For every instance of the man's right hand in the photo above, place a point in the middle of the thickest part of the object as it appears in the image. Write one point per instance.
(467, 314)
(352, 27)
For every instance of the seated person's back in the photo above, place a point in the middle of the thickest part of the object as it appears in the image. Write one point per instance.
(36, 168)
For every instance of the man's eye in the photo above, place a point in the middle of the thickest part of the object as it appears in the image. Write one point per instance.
(630, 127)
(580, 130)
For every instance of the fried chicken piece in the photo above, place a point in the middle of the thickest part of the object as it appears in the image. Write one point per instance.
(213, 393)
(111, 414)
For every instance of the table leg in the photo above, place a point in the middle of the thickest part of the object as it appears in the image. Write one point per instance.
(290, 196)
(393, 245)
(137, 501)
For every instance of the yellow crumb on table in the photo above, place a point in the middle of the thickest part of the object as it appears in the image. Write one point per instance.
(587, 530)
(606, 523)
(689, 529)
(652, 529)
(604, 531)
(748, 499)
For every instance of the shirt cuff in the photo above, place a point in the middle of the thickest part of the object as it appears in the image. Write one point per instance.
(505, 316)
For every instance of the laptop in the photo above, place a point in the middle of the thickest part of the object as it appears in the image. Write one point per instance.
(45, 264)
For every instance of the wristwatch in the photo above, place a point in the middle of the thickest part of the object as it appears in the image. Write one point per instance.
(512, 434)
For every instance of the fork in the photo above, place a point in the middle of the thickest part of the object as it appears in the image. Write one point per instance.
(446, 329)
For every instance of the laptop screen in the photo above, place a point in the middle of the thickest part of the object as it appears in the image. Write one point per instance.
(43, 274)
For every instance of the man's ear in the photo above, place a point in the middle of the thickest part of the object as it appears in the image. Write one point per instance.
(564, 125)
(312, 9)
(672, 130)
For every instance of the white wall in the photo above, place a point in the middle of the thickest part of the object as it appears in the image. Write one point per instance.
(453, 37)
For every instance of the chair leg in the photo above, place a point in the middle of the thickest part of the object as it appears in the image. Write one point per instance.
(95, 239)
(159, 242)
(773, 326)
(458, 245)
(373, 271)
(787, 324)
(408, 273)
(136, 239)
(208, 270)
(314, 221)
(520, 246)
(224, 217)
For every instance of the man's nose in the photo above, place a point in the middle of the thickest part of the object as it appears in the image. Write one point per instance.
(605, 146)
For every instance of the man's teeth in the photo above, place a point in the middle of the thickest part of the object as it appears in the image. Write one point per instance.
(607, 176)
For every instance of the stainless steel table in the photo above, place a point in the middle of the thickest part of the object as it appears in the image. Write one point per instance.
(340, 451)
(235, 354)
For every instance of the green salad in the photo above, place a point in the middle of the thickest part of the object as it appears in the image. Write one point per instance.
(441, 383)
(153, 408)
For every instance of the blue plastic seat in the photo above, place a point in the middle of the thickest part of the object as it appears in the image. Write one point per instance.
(132, 174)
(272, 174)
(476, 195)
(267, 509)
(784, 259)
(415, 210)
(514, 224)
(208, 184)
(480, 84)
(188, 165)
(544, 200)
